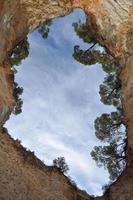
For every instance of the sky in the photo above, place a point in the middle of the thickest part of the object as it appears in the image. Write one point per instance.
(60, 103)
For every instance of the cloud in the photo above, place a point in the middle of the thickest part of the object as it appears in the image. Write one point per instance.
(61, 102)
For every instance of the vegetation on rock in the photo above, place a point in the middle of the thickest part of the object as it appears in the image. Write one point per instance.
(61, 164)
(108, 127)
(19, 53)
(45, 28)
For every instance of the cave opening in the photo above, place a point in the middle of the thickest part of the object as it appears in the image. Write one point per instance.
(68, 108)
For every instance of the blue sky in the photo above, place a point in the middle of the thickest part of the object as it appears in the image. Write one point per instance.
(61, 102)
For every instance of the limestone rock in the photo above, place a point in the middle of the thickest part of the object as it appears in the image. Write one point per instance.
(112, 23)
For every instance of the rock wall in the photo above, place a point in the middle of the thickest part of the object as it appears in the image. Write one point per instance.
(26, 178)
(112, 23)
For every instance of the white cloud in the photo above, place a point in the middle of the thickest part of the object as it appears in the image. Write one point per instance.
(60, 104)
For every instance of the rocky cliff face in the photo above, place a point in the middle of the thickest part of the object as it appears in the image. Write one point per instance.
(112, 23)
(23, 176)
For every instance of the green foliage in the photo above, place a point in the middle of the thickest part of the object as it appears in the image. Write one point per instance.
(45, 28)
(60, 163)
(18, 107)
(86, 57)
(17, 91)
(92, 56)
(20, 52)
(81, 30)
(111, 158)
(110, 92)
(108, 126)
(110, 88)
